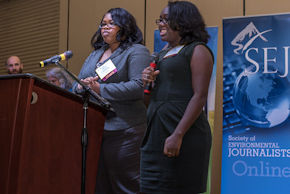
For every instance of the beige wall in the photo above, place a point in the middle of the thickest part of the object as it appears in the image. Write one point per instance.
(261, 7)
(63, 28)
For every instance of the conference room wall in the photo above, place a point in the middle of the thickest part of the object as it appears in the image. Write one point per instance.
(262, 7)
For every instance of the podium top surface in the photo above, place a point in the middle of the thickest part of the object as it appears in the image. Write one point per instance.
(45, 84)
(14, 76)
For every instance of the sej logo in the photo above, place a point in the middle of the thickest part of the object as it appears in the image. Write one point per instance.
(261, 91)
(242, 43)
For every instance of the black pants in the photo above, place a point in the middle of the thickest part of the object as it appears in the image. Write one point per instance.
(119, 164)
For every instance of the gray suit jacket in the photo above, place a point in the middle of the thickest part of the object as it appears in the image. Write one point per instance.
(124, 89)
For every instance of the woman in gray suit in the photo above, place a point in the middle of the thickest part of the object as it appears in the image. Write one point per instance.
(113, 70)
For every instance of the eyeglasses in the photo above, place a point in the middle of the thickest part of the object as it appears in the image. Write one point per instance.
(163, 20)
(109, 25)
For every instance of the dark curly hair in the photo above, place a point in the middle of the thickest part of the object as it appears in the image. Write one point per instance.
(128, 34)
(185, 17)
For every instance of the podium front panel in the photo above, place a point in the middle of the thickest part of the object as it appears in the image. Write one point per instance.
(43, 127)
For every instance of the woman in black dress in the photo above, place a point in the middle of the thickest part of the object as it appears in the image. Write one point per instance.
(176, 147)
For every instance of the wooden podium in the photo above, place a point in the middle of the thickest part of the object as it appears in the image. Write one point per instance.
(40, 138)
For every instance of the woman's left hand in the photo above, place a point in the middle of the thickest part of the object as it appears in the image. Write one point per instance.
(172, 145)
(94, 84)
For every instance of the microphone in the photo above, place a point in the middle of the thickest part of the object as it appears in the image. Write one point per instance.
(148, 86)
(64, 56)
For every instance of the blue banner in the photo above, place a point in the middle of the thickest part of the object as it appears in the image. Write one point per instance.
(256, 105)
(158, 43)
(212, 44)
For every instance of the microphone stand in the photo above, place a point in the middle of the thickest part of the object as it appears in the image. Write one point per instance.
(84, 137)
(84, 140)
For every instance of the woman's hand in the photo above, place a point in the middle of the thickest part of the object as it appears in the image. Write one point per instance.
(94, 84)
(172, 145)
(149, 75)
(85, 82)
(91, 82)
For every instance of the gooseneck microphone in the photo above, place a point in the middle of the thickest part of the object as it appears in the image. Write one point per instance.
(148, 86)
(64, 56)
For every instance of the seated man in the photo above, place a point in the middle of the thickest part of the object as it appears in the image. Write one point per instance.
(13, 65)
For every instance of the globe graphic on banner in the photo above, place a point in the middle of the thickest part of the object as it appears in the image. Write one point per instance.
(262, 100)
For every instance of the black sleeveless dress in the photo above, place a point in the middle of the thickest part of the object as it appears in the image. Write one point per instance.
(187, 173)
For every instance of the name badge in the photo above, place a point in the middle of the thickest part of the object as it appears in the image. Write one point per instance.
(106, 70)
(173, 51)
